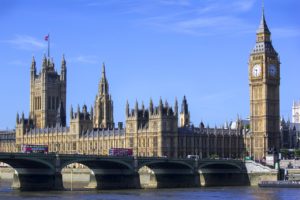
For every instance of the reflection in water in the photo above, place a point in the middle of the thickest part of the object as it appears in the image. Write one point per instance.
(232, 193)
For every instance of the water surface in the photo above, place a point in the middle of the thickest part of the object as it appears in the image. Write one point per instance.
(232, 193)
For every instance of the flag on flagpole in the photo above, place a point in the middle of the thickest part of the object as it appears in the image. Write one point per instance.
(48, 40)
(47, 37)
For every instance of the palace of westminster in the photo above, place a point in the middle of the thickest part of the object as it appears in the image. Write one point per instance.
(155, 131)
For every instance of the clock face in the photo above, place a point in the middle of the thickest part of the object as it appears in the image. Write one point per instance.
(272, 70)
(256, 70)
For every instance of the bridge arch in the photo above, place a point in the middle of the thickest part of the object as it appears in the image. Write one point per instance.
(95, 163)
(31, 163)
(105, 173)
(166, 174)
(220, 165)
(165, 163)
(32, 173)
(219, 173)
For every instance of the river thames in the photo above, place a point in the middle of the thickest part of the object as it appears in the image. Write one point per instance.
(208, 193)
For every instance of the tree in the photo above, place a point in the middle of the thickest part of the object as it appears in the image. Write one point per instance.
(214, 156)
(284, 153)
(297, 153)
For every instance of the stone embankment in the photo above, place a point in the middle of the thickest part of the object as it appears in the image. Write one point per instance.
(291, 169)
(257, 173)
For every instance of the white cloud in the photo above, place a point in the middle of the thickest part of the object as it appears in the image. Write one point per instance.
(176, 2)
(206, 17)
(203, 25)
(17, 63)
(85, 59)
(285, 32)
(225, 7)
(26, 42)
(243, 5)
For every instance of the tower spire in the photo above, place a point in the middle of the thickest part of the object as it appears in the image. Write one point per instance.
(103, 116)
(63, 69)
(263, 27)
(103, 70)
(103, 86)
(33, 68)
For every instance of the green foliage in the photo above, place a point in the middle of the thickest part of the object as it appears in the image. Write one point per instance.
(284, 152)
(214, 156)
(248, 126)
(297, 152)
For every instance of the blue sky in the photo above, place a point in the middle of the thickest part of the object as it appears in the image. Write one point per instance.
(151, 48)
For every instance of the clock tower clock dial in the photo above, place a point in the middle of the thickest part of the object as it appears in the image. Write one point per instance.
(256, 70)
(272, 70)
(264, 78)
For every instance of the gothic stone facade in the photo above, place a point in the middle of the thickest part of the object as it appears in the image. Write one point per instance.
(153, 131)
(149, 132)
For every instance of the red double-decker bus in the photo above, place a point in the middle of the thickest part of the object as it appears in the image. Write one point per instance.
(33, 148)
(120, 152)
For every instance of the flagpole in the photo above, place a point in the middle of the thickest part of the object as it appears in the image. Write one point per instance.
(48, 45)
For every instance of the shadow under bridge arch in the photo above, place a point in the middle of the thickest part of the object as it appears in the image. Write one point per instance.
(223, 174)
(108, 173)
(167, 174)
(33, 173)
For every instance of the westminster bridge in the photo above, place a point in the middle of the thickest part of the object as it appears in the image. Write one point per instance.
(44, 171)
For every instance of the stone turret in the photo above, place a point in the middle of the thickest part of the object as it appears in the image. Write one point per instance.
(184, 114)
(33, 68)
(61, 118)
(103, 108)
(82, 120)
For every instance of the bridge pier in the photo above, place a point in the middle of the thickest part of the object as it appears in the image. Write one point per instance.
(37, 182)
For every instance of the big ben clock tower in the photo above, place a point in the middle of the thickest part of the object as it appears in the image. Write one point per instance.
(264, 77)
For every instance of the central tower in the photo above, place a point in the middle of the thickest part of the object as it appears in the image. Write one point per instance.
(264, 78)
(103, 117)
(48, 94)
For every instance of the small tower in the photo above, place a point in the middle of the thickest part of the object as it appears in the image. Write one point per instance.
(63, 70)
(127, 109)
(184, 114)
(103, 109)
(151, 109)
(81, 121)
(296, 112)
(176, 107)
(33, 68)
(71, 113)
(61, 118)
